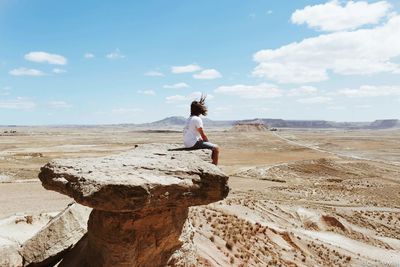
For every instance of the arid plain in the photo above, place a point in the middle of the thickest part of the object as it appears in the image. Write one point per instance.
(299, 197)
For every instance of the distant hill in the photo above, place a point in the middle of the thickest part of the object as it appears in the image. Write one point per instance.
(384, 124)
(167, 122)
(179, 122)
(249, 127)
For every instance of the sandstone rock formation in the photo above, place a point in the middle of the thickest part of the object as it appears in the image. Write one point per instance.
(250, 127)
(140, 201)
(49, 245)
(9, 256)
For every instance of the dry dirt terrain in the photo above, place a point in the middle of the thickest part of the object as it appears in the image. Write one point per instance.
(298, 197)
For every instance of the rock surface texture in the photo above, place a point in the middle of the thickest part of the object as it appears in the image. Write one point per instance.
(49, 245)
(9, 256)
(140, 201)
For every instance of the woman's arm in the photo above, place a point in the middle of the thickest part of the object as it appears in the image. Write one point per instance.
(203, 135)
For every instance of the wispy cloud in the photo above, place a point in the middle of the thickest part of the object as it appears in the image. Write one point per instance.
(336, 108)
(154, 74)
(116, 54)
(44, 57)
(185, 69)
(5, 91)
(146, 92)
(302, 90)
(19, 103)
(26, 72)
(223, 109)
(175, 98)
(176, 86)
(363, 106)
(88, 55)
(314, 100)
(371, 91)
(59, 71)
(59, 104)
(208, 74)
(126, 110)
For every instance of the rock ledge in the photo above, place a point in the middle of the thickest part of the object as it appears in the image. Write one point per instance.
(140, 201)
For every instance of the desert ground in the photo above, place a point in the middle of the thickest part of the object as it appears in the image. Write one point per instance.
(299, 197)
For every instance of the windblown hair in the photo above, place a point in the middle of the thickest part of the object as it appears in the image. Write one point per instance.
(198, 108)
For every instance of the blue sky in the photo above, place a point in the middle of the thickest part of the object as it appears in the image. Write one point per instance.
(85, 62)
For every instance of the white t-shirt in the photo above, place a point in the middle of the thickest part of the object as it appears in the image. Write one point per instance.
(190, 133)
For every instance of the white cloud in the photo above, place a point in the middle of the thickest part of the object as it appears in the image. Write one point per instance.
(128, 110)
(59, 71)
(154, 74)
(146, 92)
(363, 106)
(261, 109)
(371, 91)
(59, 104)
(208, 74)
(364, 51)
(44, 57)
(5, 91)
(115, 55)
(175, 98)
(223, 109)
(269, 12)
(262, 90)
(302, 90)
(185, 69)
(19, 103)
(332, 16)
(336, 108)
(176, 86)
(26, 72)
(314, 100)
(88, 55)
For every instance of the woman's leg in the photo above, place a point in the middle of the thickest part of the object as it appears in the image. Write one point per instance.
(207, 145)
(214, 155)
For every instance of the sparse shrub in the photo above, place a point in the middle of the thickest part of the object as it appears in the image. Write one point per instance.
(229, 245)
(29, 219)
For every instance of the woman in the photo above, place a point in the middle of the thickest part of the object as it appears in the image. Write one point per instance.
(193, 133)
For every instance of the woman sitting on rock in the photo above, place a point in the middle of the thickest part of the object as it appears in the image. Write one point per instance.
(193, 133)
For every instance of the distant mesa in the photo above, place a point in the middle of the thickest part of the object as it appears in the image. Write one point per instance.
(385, 124)
(255, 126)
(178, 122)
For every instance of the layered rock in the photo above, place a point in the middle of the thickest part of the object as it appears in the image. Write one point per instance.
(49, 245)
(9, 256)
(140, 201)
